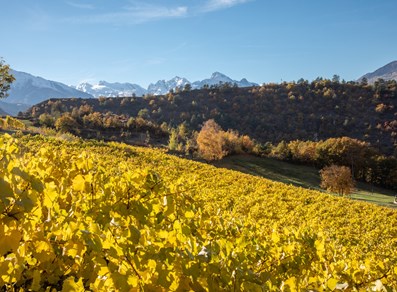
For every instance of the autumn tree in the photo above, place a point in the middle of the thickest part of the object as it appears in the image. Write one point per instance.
(46, 120)
(66, 123)
(337, 179)
(173, 140)
(210, 141)
(6, 78)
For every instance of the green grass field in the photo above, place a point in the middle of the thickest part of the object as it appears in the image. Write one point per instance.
(302, 176)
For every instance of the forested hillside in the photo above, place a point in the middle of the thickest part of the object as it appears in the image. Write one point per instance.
(270, 113)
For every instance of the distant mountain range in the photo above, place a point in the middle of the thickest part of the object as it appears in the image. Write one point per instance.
(107, 89)
(387, 72)
(28, 90)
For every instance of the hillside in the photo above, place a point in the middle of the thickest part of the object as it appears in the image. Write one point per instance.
(269, 113)
(91, 215)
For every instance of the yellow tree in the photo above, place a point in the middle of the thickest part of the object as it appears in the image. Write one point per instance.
(210, 141)
(337, 179)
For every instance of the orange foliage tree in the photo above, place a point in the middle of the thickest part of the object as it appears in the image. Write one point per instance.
(337, 179)
(214, 143)
(210, 141)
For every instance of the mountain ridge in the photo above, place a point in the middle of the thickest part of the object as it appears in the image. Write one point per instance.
(107, 89)
(386, 72)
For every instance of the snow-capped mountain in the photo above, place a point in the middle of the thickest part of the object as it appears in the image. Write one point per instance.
(387, 72)
(219, 78)
(107, 89)
(28, 89)
(163, 87)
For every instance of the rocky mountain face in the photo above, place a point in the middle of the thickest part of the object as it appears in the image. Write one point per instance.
(29, 89)
(104, 88)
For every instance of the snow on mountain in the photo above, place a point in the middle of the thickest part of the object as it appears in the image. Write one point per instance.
(387, 72)
(108, 89)
(163, 87)
(28, 89)
(219, 78)
(215, 79)
(245, 83)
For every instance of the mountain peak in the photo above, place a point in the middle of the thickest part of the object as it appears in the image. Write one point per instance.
(217, 74)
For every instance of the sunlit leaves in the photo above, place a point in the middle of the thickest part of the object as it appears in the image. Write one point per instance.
(78, 217)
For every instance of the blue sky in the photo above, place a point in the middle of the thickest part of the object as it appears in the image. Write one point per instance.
(143, 41)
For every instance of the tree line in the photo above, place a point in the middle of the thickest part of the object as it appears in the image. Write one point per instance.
(289, 111)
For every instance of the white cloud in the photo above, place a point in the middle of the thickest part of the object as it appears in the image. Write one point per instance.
(134, 14)
(213, 5)
(80, 5)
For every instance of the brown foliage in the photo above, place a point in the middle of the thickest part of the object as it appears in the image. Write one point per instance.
(210, 141)
(337, 179)
(214, 143)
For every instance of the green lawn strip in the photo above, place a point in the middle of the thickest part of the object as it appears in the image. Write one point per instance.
(302, 176)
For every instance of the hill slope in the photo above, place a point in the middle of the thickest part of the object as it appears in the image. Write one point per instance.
(149, 220)
(270, 113)
(301, 176)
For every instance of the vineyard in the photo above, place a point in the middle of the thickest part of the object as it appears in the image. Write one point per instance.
(88, 215)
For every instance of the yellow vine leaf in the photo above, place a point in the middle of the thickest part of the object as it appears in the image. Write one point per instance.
(331, 284)
(9, 241)
(79, 183)
(189, 214)
(69, 285)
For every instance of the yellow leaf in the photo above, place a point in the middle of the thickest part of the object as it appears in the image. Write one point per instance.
(79, 183)
(291, 283)
(189, 214)
(151, 264)
(6, 271)
(50, 195)
(103, 271)
(133, 281)
(275, 237)
(163, 234)
(172, 237)
(331, 284)
(177, 226)
(69, 285)
(9, 241)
